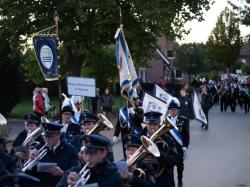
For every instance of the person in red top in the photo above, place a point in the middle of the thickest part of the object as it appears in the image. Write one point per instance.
(39, 103)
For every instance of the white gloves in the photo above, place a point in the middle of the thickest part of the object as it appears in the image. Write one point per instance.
(114, 139)
(184, 149)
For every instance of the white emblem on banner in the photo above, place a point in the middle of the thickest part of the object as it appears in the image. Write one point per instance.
(46, 56)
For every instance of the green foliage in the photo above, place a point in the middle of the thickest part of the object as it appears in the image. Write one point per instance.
(245, 69)
(86, 26)
(213, 74)
(189, 58)
(102, 67)
(224, 43)
(10, 59)
(31, 69)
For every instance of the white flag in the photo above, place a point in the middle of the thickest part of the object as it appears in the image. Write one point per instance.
(162, 95)
(151, 103)
(198, 112)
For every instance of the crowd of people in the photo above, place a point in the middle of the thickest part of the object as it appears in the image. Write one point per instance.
(72, 150)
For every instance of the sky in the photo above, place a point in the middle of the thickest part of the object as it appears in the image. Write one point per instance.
(201, 30)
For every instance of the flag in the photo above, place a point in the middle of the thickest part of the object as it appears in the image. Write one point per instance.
(162, 95)
(165, 59)
(151, 103)
(46, 54)
(198, 112)
(127, 73)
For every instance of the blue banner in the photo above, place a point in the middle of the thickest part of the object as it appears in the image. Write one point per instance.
(46, 54)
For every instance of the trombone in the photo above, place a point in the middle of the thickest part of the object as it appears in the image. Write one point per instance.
(101, 124)
(32, 162)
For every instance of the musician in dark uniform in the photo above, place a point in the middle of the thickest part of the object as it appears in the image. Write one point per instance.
(19, 180)
(186, 105)
(69, 129)
(31, 123)
(58, 151)
(163, 165)
(182, 137)
(102, 171)
(7, 163)
(89, 121)
(128, 122)
(140, 174)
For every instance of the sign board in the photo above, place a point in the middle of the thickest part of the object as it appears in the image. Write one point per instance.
(238, 71)
(81, 86)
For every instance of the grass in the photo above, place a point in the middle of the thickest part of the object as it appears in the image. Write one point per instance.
(26, 106)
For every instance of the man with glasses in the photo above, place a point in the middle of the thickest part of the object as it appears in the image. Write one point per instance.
(94, 155)
(60, 156)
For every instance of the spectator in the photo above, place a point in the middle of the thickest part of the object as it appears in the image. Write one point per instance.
(46, 99)
(106, 102)
(94, 101)
(38, 102)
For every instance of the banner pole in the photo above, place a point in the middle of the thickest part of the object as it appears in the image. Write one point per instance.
(56, 19)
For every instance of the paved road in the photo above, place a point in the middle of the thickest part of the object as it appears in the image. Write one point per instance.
(219, 157)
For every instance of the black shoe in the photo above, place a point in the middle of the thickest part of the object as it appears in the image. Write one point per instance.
(206, 127)
(203, 125)
(180, 184)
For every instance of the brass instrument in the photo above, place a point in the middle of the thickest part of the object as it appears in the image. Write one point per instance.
(84, 176)
(32, 136)
(156, 138)
(4, 129)
(101, 124)
(32, 162)
(147, 146)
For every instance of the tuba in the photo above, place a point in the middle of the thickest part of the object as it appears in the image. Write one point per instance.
(101, 124)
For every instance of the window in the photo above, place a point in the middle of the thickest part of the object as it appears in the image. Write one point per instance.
(178, 74)
(170, 54)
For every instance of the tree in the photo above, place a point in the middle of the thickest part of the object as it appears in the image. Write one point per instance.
(189, 58)
(245, 69)
(87, 26)
(102, 66)
(10, 77)
(224, 43)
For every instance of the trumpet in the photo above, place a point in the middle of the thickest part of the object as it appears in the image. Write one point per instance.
(84, 176)
(32, 162)
(102, 124)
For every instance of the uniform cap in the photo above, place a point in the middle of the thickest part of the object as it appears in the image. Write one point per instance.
(152, 117)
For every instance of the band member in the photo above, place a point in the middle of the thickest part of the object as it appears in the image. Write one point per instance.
(129, 122)
(88, 123)
(7, 163)
(31, 123)
(19, 180)
(69, 129)
(182, 137)
(186, 105)
(102, 171)
(141, 174)
(58, 151)
(168, 155)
